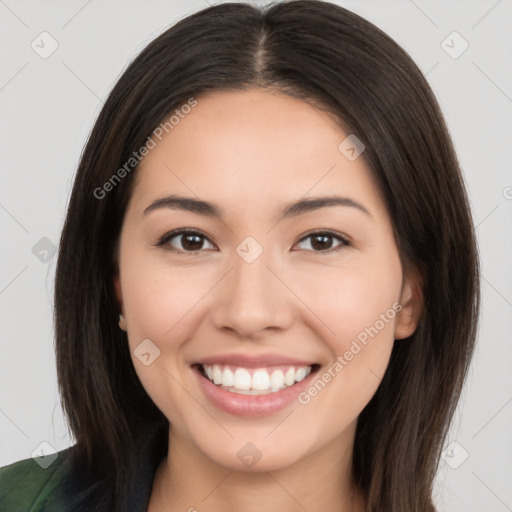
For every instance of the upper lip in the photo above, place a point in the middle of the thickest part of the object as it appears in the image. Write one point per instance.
(246, 361)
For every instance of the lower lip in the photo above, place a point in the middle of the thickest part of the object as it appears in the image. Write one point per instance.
(251, 405)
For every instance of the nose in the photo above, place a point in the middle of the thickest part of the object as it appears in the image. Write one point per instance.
(253, 299)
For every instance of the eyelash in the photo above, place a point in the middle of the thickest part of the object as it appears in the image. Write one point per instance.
(169, 236)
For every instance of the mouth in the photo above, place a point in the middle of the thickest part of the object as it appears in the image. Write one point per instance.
(254, 381)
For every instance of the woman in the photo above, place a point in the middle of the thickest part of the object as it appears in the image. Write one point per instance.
(267, 287)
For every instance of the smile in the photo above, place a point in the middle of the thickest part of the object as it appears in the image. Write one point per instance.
(253, 385)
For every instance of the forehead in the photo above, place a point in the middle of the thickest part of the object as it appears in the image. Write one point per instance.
(252, 146)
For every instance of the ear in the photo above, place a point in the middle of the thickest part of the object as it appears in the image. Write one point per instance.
(411, 299)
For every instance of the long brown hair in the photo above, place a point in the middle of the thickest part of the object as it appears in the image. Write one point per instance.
(322, 53)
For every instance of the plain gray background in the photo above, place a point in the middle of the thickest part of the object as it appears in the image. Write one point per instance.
(49, 105)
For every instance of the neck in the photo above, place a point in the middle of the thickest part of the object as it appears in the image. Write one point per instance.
(187, 480)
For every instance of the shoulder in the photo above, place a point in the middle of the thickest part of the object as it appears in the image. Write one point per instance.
(35, 485)
(27, 485)
(67, 485)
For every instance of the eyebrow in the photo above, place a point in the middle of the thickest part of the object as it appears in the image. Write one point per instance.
(208, 209)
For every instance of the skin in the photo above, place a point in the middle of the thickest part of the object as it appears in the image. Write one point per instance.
(252, 152)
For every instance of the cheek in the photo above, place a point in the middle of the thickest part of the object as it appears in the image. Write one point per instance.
(159, 305)
(159, 298)
(359, 305)
(350, 298)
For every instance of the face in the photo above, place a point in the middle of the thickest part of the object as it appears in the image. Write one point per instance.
(293, 312)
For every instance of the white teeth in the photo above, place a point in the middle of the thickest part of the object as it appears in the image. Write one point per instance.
(277, 380)
(260, 380)
(228, 379)
(300, 374)
(217, 375)
(241, 381)
(289, 377)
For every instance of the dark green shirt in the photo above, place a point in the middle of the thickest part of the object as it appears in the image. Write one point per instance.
(26, 487)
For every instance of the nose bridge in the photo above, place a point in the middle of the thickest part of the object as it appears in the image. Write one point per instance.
(251, 274)
(253, 298)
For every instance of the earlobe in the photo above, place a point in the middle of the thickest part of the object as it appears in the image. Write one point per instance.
(412, 306)
(122, 323)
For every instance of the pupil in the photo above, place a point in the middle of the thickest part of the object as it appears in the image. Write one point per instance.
(191, 246)
(322, 245)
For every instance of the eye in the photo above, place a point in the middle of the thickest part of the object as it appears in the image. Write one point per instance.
(321, 242)
(190, 241)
